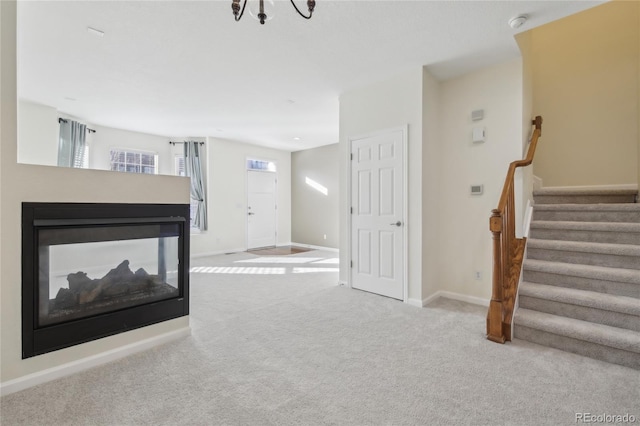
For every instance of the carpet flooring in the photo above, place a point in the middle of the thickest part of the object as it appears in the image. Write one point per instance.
(279, 251)
(275, 341)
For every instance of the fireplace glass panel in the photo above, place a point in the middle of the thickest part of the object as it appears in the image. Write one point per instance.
(87, 271)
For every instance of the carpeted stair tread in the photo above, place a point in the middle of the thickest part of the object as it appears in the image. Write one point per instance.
(583, 191)
(584, 196)
(586, 226)
(600, 334)
(588, 212)
(618, 207)
(585, 247)
(591, 299)
(585, 271)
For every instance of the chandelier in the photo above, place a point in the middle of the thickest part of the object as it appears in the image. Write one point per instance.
(262, 16)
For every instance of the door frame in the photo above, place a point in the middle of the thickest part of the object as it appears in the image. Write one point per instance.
(246, 196)
(405, 189)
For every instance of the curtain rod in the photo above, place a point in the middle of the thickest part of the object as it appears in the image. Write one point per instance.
(173, 143)
(64, 121)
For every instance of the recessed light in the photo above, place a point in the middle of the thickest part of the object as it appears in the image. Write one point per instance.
(518, 21)
(296, 138)
(95, 32)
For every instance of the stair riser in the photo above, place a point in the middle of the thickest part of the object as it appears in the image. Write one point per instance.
(584, 313)
(595, 259)
(587, 216)
(580, 347)
(587, 236)
(584, 199)
(580, 283)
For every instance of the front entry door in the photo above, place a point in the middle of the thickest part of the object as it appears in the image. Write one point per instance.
(261, 209)
(377, 219)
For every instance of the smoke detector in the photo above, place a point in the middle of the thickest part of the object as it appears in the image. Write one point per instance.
(518, 21)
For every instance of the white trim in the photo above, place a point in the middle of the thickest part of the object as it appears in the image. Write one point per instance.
(275, 200)
(516, 304)
(311, 246)
(405, 187)
(528, 215)
(457, 296)
(622, 186)
(416, 302)
(77, 366)
(537, 183)
(217, 253)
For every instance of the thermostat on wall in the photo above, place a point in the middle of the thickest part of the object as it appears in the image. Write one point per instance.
(477, 115)
(477, 189)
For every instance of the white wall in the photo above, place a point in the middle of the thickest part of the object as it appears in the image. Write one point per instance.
(38, 132)
(106, 138)
(432, 214)
(227, 196)
(23, 182)
(464, 244)
(389, 104)
(314, 215)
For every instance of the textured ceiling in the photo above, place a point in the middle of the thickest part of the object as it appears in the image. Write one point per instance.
(186, 68)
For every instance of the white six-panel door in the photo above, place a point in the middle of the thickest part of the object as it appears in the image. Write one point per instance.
(261, 209)
(377, 219)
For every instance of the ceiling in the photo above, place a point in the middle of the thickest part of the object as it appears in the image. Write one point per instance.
(186, 68)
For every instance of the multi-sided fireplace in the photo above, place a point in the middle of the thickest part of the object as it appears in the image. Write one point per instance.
(94, 270)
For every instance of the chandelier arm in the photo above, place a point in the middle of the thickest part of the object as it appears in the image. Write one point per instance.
(300, 13)
(238, 17)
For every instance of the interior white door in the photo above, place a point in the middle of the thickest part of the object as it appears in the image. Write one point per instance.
(261, 209)
(377, 219)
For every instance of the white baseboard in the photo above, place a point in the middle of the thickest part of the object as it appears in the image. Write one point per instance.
(332, 249)
(455, 296)
(528, 215)
(448, 295)
(537, 183)
(216, 253)
(70, 368)
(416, 302)
(623, 186)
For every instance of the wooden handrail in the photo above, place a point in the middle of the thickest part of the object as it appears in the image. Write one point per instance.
(508, 250)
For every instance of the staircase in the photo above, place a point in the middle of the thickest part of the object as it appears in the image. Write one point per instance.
(581, 276)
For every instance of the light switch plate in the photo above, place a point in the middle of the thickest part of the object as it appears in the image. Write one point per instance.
(478, 134)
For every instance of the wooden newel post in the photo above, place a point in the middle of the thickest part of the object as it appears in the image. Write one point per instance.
(495, 315)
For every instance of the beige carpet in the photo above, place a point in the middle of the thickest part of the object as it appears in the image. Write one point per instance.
(276, 342)
(279, 251)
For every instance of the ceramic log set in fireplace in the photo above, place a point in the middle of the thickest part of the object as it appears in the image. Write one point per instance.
(93, 270)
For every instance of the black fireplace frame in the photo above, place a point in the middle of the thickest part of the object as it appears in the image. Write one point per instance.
(37, 340)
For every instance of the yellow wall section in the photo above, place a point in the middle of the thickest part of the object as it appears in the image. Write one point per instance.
(586, 86)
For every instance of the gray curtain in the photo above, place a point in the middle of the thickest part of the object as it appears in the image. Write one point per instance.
(72, 144)
(193, 169)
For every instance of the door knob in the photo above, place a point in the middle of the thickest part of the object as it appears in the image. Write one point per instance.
(398, 223)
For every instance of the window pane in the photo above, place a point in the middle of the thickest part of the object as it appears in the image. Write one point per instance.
(133, 161)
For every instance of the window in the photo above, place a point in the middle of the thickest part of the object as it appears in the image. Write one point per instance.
(130, 161)
(266, 166)
(180, 171)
